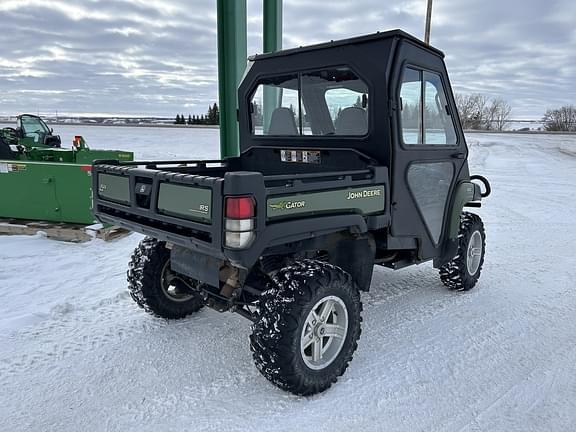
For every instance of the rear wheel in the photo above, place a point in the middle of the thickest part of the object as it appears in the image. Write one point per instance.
(156, 288)
(307, 328)
(463, 272)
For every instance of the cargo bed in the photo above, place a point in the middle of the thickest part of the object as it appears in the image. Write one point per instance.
(182, 201)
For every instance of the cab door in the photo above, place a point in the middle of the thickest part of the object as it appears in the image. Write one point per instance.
(429, 151)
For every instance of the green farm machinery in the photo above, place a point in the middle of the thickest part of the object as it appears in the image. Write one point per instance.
(40, 180)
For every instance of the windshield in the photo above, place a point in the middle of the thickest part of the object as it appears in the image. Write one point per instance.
(325, 102)
(33, 127)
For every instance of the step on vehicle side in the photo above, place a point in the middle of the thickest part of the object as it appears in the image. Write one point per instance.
(352, 155)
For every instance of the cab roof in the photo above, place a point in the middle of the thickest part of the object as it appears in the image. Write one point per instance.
(398, 34)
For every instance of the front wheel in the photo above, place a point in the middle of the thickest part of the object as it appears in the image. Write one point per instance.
(463, 272)
(307, 328)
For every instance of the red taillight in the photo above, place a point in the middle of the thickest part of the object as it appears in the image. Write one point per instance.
(241, 207)
(239, 227)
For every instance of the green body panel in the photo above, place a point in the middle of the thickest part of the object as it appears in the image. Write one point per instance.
(186, 202)
(231, 16)
(57, 192)
(365, 200)
(88, 156)
(42, 181)
(464, 194)
(51, 184)
(46, 154)
(114, 188)
(84, 156)
(29, 142)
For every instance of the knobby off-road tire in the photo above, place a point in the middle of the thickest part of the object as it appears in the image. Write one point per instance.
(154, 287)
(286, 337)
(462, 273)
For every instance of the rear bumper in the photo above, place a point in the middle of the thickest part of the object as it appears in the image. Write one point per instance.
(149, 228)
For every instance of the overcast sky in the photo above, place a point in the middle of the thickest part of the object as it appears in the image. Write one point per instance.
(158, 57)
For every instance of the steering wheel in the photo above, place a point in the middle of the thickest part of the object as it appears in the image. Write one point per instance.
(10, 134)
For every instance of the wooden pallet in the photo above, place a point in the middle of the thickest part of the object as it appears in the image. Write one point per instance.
(76, 233)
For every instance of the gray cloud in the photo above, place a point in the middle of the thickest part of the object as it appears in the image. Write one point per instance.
(158, 57)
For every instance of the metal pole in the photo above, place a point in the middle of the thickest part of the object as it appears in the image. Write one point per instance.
(272, 25)
(272, 42)
(231, 65)
(428, 22)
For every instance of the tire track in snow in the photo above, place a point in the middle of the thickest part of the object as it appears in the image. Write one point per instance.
(72, 330)
(472, 343)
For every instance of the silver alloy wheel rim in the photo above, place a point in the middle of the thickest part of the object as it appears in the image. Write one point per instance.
(169, 288)
(324, 332)
(474, 253)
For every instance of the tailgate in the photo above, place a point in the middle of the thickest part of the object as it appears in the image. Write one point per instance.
(181, 208)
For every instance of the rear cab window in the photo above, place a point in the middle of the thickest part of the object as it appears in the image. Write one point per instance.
(327, 102)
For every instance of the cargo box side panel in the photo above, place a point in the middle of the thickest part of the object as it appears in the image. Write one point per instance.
(365, 200)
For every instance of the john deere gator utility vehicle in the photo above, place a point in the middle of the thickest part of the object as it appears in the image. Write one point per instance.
(40, 180)
(352, 155)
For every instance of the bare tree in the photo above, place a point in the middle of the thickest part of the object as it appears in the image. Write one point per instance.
(478, 112)
(561, 119)
(498, 114)
(465, 106)
(472, 110)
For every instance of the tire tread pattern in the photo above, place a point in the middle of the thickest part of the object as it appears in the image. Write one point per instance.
(276, 333)
(455, 275)
(144, 273)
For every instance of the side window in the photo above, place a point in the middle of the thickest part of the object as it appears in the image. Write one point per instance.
(425, 116)
(410, 106)
(438, 124)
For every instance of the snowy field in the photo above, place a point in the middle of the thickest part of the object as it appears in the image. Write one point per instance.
(76, 354)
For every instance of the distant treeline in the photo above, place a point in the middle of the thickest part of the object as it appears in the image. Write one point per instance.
(212, 117)
(476, 112)
(481, 113)
(561, 119)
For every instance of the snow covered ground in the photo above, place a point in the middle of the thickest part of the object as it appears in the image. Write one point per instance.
(77, 354)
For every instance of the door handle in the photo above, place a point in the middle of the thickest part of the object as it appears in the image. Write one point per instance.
(460, 155)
